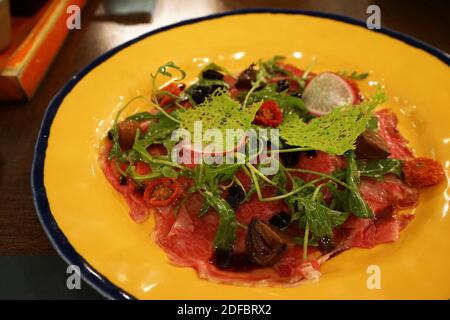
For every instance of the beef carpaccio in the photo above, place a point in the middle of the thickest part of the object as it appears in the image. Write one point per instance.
(344, 173)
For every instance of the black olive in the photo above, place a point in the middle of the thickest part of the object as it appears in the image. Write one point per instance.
(127, 133)
(261, 86)
(140, 188)
(311, 153)
(221, 258)
(235, 196)
(110, 135)
(282, 85)
(212, 74)
(246, 78)
(326, 243)
(280, 220)
(122, 180)
(371, 146)
(265, 244)
(199, 93)
(290, 159)
(214, 87)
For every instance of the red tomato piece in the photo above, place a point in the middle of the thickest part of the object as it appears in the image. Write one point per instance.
(172, 88)
(269, 114)
(162, 192)
(423, 172)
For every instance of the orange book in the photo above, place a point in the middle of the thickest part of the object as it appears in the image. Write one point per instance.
(35, 43)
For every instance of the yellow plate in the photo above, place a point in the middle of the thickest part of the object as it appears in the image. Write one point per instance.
(88, 222)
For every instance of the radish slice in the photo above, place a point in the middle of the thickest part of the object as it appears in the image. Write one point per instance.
(326, 92)
(195, 153)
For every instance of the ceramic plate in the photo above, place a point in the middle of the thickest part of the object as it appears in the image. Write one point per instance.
(88, 222)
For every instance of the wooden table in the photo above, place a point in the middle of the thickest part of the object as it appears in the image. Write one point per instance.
(20, 231)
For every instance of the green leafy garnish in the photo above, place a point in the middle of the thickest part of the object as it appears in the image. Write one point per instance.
(301, 241)
(204, 209)
(354, 75)
(164, 70)
(272, 66)
(372, 123)
(378, 168)
(286, 102)
(355, 203)
(144, 116)
(219, 111)
(335, 132)
(214, 66)
(226, 232)
(159, 131)
(207, 179)
(322, 219)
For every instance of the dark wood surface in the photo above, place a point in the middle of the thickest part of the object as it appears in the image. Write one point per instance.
(20, 231)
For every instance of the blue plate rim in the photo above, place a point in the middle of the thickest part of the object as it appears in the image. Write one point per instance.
(54, 233)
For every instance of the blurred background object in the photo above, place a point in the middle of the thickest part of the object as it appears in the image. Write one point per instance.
(121, 7)
(113, 22)
(126, 12)
(38, 32)
(5, 24)
(26, 8)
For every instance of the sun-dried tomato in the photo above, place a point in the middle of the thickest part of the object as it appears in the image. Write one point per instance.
(423, 172)
(173, 88)
(162, 192)
(127, 133)
(269, 114)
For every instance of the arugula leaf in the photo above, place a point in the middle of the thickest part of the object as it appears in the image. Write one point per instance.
(333, 133)
(286, 102)
(308, 209)
(355, 203)
(354, 75)
(116, 151)
(337, 217)
(131, 172)
(169, 144)
(214, 66)
(223, 172)
(340, 197)
(318, 219)
(226, 232)
(143, 116)
(159, 131)
(378, 168)
(322, 219)
(210, 83)
(208, 177)
(272, 68)
(311, 242)
(272, 65)
(164, 70)
(280, 179)
(204, 209)
(169, 172)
